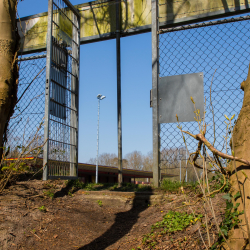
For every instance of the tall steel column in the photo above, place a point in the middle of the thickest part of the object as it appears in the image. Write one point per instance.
(97, 149)
(155, 77)
(74, 121)
(119, 112)
(47, 91)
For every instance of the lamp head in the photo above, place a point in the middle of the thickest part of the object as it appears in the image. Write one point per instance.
(100, 97)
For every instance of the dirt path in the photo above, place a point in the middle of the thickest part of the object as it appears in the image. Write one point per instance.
(30, 219)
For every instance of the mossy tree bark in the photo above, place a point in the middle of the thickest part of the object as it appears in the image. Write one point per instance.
(240, 142)
(9, 45)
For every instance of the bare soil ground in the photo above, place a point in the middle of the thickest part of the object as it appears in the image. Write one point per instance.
(79, 222)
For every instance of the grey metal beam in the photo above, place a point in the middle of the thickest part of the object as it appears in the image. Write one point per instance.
(72, 7)
(74, 117)
(155, 78)
(47, 91)
(204, 24)
(119, 109)
(77, 100)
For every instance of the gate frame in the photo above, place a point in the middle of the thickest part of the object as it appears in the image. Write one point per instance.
(75, 68)
(155, 101)
(156, 30)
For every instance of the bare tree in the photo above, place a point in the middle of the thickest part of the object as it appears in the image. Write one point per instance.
(106, 159)
(9, 46)
(135, 160)
(148, 161)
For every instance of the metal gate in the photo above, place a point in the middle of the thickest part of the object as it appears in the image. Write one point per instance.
(60, 159)
(221, 50)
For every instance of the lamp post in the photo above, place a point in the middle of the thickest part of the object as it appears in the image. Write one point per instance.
(99, 97)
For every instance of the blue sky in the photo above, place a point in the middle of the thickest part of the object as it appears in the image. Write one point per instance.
(98, 76)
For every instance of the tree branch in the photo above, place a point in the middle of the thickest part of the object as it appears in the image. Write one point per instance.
(201, 138)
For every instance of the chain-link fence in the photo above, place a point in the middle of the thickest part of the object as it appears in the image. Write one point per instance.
(45, 120)
(25, 131)
(219, 48)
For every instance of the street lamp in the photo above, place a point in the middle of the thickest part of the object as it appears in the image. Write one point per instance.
(99, 97)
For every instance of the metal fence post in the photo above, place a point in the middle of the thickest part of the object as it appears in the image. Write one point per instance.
(47, 91)
(180, 170)
(74, 100)
(119, 112)
(155, 76)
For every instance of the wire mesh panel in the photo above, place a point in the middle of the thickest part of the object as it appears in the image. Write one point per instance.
(221, 50)
(25, 131)
(62, 88)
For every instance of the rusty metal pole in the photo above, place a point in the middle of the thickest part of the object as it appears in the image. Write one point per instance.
(119, 112)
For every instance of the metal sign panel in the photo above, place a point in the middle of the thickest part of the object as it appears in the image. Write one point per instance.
(98, 19)
(174, 97)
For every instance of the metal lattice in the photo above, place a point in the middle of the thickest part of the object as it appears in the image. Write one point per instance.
(223, 46)
(29, 111)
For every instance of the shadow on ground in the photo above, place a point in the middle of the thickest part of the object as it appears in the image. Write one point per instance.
(124, 222)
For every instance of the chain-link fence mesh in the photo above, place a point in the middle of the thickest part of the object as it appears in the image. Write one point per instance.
(220, 48)
(25, 126)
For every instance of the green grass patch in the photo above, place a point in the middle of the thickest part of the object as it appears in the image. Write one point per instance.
(176, 221)
(172, 222)
(50, 193)
(99, 203)
(42, 209)
(174, 186)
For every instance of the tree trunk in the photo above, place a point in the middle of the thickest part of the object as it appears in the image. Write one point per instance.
(9, 46)
(241, 145)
